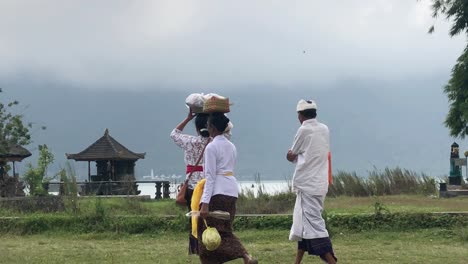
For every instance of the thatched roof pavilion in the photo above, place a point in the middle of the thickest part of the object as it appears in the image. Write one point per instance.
(13, 154)
(114, 161)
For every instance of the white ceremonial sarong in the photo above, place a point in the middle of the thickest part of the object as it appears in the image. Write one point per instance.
(307, 218)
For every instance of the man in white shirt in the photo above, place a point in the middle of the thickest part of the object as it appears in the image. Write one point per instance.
(310, 182)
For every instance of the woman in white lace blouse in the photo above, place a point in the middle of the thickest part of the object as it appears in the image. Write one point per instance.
(193, 147)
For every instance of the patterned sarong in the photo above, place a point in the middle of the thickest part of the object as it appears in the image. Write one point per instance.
(231, 247)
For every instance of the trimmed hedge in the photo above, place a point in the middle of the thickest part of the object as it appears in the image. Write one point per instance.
(31, 204)
(397, 221)
(88, 224)
(147, 224)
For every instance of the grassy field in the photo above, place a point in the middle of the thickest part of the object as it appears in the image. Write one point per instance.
(396, 203)
(378, 246)
(343, 204)
(112, 206)
(422, 246)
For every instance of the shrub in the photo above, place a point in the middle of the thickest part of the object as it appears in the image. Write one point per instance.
(387, 182)
(149, 224)
(69, 188)
(278, 203)
(43, 204)
(35, 177)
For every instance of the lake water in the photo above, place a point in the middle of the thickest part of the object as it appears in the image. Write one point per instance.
(270, 187)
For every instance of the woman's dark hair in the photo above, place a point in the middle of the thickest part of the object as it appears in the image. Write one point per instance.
(201, 124)
(309, 113)
(219, 121)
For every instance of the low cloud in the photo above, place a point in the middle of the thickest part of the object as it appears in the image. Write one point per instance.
(177, 44)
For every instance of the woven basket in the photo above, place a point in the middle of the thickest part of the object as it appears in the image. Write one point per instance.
(196, 109)
(216, 104)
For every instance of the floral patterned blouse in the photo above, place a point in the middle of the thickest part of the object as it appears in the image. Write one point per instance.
(192, 146)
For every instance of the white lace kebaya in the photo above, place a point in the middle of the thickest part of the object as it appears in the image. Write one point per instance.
(220, 160)
(192, 146)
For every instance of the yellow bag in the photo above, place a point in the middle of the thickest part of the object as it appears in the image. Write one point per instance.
(211, 238)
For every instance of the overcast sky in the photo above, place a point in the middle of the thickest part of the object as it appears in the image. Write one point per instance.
(84, 66)
(135, 45)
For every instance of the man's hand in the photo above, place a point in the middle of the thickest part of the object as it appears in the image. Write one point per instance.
(291, 156)
(204, 210)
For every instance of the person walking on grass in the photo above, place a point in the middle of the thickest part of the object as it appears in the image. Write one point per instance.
(310, 182)
(220, 192)
(193, 148)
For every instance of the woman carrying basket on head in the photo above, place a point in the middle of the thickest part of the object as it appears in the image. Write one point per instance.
(220, 192)
(193, 149)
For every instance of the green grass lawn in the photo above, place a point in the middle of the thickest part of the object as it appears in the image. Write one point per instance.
(112, 206)
(416, 246)
(283, 205)
(396, 203)
(421, 246)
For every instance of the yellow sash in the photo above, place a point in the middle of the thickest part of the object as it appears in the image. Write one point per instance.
(195, 204)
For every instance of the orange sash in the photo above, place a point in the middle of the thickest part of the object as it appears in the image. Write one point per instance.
(330, 179)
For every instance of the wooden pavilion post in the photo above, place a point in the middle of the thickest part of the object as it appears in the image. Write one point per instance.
(14, 172)
(113, 170)
(89, 171)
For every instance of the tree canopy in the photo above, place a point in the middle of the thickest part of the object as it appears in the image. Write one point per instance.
(455, 10)
(13, 130)
(456, 89)
(457, 93)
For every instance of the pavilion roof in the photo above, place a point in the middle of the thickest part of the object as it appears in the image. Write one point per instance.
(106, 148)
(15, 153)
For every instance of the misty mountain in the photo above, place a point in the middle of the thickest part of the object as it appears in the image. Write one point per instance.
(372, 123)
